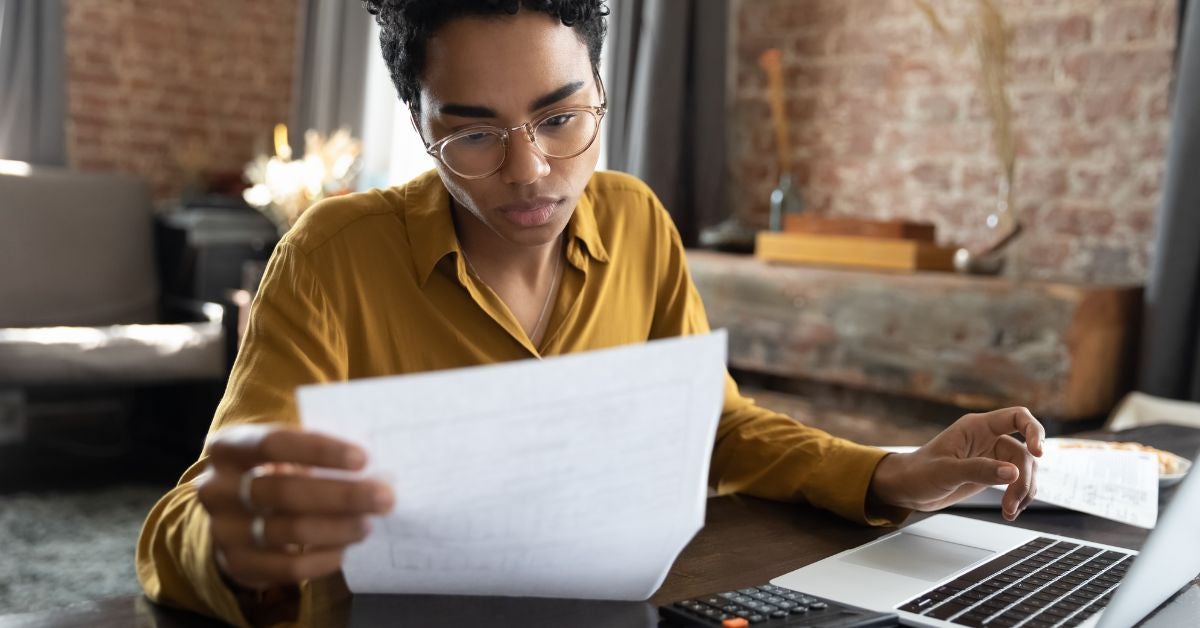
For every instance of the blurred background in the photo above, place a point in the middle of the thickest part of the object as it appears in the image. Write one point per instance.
(902, 210)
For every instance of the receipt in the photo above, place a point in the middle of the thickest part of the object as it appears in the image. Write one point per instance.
(1114, 484)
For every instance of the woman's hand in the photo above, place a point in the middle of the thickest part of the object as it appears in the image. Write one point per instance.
(274, 519)
(972, 454)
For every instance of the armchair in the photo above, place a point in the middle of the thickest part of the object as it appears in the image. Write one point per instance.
(85, 338)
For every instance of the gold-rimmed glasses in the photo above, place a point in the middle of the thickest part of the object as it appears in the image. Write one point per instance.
(480, 151)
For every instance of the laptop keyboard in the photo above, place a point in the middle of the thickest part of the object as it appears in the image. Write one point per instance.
(1044, 583)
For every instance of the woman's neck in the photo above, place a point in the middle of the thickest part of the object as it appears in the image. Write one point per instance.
(497, 260)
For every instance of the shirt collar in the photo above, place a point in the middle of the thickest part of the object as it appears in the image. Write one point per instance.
(431, 227)
(583, 226)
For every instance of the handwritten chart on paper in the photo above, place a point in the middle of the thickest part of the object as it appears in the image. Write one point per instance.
(580, 476)
(1114, 484)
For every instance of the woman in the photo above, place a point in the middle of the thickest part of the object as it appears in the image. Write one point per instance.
(514, 248)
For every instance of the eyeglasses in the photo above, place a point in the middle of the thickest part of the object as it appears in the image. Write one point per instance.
(480, 151)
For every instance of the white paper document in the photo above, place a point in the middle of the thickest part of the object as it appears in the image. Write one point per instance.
(1114, 484)
(1121, 485)
(581, 476)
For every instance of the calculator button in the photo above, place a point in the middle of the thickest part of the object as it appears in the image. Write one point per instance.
(779, 614)
(756, 619)
(818, 606)
(736, 622)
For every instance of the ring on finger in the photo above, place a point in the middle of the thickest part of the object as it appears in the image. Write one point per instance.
(258, 531)
(245, 485)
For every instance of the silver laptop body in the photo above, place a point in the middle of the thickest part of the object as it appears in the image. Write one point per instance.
(954, 571)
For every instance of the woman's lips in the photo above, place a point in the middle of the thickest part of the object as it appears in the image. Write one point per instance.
(532, 213)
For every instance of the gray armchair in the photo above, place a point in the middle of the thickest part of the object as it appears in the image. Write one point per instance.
(80, 310)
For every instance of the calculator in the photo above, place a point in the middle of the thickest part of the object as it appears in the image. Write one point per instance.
(769, 606)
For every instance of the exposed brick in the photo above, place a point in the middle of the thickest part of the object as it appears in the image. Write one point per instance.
(1076, 219)
(935, 107)
(1140, 220)
(1047, 182)
(1131, 22)
(145, 78)
(1045, 256)
(1105, 103)
(1032, 71)
(888, 122)
(1044, 103)
(931, 174)
(1118, 66)
(1158, 105)
(1050, 33)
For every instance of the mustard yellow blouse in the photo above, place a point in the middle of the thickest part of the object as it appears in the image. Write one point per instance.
(374, 284)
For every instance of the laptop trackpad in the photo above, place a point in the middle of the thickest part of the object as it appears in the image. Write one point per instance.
(917, 556)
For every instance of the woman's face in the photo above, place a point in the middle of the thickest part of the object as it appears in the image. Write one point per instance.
(505, 71)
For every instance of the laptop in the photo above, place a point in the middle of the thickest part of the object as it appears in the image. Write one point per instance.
(954, 571)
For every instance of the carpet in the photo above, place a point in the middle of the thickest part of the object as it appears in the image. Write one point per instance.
(58, 548)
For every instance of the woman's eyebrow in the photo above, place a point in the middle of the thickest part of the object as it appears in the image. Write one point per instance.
(466, 111)
(556, 95)
(479, 111)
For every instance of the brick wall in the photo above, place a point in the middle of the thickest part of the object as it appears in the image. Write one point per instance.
(159, 88)
(887, 122)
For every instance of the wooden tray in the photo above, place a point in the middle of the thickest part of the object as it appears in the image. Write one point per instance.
(827, 225)
(859, 252)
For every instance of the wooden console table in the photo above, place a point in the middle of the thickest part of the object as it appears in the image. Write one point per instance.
(1064, 350)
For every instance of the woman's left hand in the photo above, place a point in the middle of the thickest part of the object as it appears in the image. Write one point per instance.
(976, 452)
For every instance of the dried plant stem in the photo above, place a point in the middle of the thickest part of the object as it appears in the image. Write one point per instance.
(988, 35)
(771, 63)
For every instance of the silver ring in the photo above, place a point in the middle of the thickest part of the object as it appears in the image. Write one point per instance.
(258, 531)
(244, 487)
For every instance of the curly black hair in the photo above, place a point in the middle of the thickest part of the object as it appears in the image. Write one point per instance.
(406, 25)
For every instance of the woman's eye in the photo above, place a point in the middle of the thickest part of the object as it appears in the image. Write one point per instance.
(560, 119)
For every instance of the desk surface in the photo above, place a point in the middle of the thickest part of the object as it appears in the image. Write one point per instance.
(745, 542)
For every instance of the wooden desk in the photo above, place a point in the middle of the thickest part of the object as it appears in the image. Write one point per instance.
(745, 542)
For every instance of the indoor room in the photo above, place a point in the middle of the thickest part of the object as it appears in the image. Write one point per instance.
(600, 313)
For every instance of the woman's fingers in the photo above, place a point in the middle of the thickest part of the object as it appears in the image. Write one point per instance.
(247, 446)
(221, 492)
(283, 532)
(1021, 491)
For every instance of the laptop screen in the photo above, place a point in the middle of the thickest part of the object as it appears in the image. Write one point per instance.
(1170, 559)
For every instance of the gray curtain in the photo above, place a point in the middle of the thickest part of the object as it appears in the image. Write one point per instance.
(667, 104)
(331, 75)
(1171, 357)
(1183, 5)
(32, 91)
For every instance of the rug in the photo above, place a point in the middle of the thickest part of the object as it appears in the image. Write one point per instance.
(58, 548)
